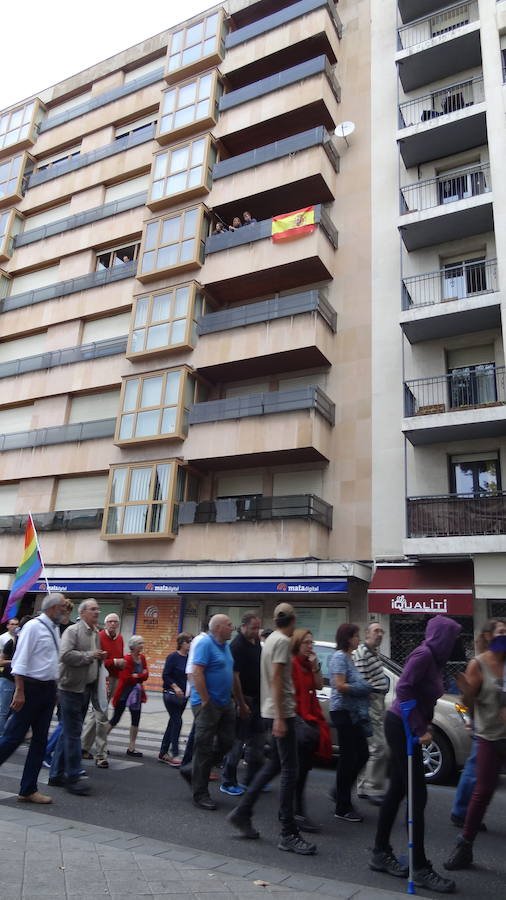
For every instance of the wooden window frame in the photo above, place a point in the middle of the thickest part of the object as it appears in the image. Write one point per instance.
(166, 135)
(17, 192)
(190, 336)
(171, 500)
(110, 250)
(8, 235)
(181, 265)
(189, 192)
(180, 430)
(176, 48)
(28, 126)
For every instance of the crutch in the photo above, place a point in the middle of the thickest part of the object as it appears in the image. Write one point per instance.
(411, 739)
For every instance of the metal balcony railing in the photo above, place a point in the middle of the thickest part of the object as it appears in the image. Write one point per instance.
(256, 508)
(458, 281)
(452, 515)
(52, 358)
(441, 22)
(448, 187)
(268, 403)
(473, 387)
(60, 520)
(441, 102)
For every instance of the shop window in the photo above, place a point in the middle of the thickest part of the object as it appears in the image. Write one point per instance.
(143, 499)
(155, 406)
(12, 178)
(196, 46)
(189, 107)
(182, 172)
(11, 224)
(174, 242)
(117, 256)
(18, 127)
(475, 476)
(165, 320)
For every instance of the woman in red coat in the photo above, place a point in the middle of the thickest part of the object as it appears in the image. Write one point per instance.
(130, 690)
(313, 734)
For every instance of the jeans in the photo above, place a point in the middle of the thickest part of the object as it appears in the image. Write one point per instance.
(188, 751)
(250, 735)
(353, 755)
(466, 783)
(397, 790)
(173, 730)
(214, 736)
(36, 713)
(6, 693)
(490, 758)
(283, 759)
(67, 753)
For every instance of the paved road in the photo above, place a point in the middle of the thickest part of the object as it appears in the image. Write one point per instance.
(152, 800)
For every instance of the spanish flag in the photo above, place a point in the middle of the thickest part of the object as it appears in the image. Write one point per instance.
(293, 225)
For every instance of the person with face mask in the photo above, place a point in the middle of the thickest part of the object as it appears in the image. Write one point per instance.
(35, 670)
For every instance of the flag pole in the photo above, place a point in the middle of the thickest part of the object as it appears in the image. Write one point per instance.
(40, 552)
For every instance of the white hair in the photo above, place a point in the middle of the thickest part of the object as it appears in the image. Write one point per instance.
(84, 603)
(51, 600)
(111, 616)
(135, 640)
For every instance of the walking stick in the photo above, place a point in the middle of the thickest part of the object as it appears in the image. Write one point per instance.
(411, 739)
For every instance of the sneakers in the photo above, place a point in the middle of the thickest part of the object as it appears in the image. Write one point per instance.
(350, 816)
(386, 861)
(304, 823)
(233, 789)
(462, 856)
(173, 761)
(429, 879)
(243, 824)
(294, 843)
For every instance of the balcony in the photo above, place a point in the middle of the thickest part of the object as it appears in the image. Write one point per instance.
(415, 9)
(70, 286)
(310, 397)
(450, 206)
(439, 45)
(465, 404)
(61, 520)
(268, 311)
(459, 299)
(53, 358)
(254, 509)
(442, 123)
(452, 515)
(58, 434)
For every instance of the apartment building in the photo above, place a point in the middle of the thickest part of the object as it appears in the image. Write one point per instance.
(187, 413)
(439, 273)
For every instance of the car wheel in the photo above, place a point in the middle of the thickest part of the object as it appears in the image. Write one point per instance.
(438, 759)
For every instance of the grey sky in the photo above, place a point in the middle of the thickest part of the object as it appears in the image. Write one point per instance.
(46, 43)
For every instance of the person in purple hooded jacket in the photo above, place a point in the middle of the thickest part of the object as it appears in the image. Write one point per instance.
(421, 680)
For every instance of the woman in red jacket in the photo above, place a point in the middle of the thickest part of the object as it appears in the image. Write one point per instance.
(130, 690)
(313, 734)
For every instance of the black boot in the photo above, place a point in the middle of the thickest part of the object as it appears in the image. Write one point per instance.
(462, 856)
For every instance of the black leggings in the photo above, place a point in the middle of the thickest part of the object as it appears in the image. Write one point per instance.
(398, 788)
(118, 712)
(353, 755)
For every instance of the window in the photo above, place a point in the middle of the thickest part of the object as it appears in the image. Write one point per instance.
(461, 279)
(8, 498)
(459, 186)
(173, 242)
(33, 280)
(143, 499)
(117, 256)
(104, 328)
(54, 214)
(81, 492)
(94, 407)
(136, 125)
(18, 126)
(126, 188)
(56, 159)
(188, 107)
(11, 224)
(155, 405)
(165, 319)
(196, 46)
(185, 169)
(474, 475)
(11, 178)
(473, 386)
(140, 71)
(23, 347)
(16, 418)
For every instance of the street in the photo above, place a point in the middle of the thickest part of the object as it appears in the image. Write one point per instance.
(152, 800)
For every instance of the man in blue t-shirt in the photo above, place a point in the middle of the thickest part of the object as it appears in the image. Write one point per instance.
(212, 706)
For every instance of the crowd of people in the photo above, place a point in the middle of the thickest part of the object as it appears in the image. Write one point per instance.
(255, 697)
(237, 222)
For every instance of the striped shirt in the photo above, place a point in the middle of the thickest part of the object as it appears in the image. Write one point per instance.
(370, 667)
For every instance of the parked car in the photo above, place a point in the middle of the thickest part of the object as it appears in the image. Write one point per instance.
(451, 742)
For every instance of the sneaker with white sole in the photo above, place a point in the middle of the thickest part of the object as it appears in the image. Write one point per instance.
(350, 816)
(294, 843)
(233, 789)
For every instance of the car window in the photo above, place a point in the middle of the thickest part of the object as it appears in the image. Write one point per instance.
(324, 654)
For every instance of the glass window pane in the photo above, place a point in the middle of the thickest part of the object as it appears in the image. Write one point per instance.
(197, 310)
(158, 518)
(4, 171)
(170, 230)
(151, 394)
(161, 486)
(177, 41)
(157, 190)
(16, 165)
(182, 302)
(169, 102)
(209, 46)
(178, 331)
(139, 484)
(167, 256)
(179, 160)
(198, 148)
(184, 116)
(113, 520)
(141, 312)
(176, 183)
(137, 344)
(28, 112)
(148, 261)
(130, 397)
(127, 427)
(189, 391)
(16, 119)
(160, 165)
(187, 250)
(135, 519)
(173, 62)
(158, 336)
(205, 87)
(172, 387)
(187, 95)
(190, 223)
(487, 476)
(191, 54)
(211, 25)
(147, 423)
(194, 34)
(166, 124)
(463, 478)
(195, 176)
(118, 485)
(169, 420)
(161, 307)
(24, 132)
(202, 109)
(151, 236)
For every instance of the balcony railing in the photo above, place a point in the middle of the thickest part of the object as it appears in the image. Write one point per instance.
(268, 311)
(76, 432)
(453, 515)
(455, 282)
(70, 286)
(53, 358)
(299, 398)
(442, 102)
(475, 387)
(60, 520)
(448, 187)
(441, 22)
(282, 17)
(257, 508)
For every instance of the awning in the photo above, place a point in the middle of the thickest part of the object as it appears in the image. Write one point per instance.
(187, 586)
(423, 589)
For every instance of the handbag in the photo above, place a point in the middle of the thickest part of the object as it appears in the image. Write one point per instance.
(134, 697)
(307, 733)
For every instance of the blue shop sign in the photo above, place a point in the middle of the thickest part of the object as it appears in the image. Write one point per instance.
(185, 586)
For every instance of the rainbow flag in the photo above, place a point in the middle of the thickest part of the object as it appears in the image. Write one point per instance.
(27, 572)
(293, 225)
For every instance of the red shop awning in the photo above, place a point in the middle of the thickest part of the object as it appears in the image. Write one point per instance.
(422, 589)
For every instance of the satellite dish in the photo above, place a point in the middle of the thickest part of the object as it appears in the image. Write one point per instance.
(344, 129)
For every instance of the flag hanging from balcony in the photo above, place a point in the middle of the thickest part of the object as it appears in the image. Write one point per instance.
(293, 225)
(27, 572)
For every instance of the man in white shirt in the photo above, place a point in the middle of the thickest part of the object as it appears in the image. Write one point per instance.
(35, 670)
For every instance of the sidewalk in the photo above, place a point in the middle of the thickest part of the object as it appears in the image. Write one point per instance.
(48, 858)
